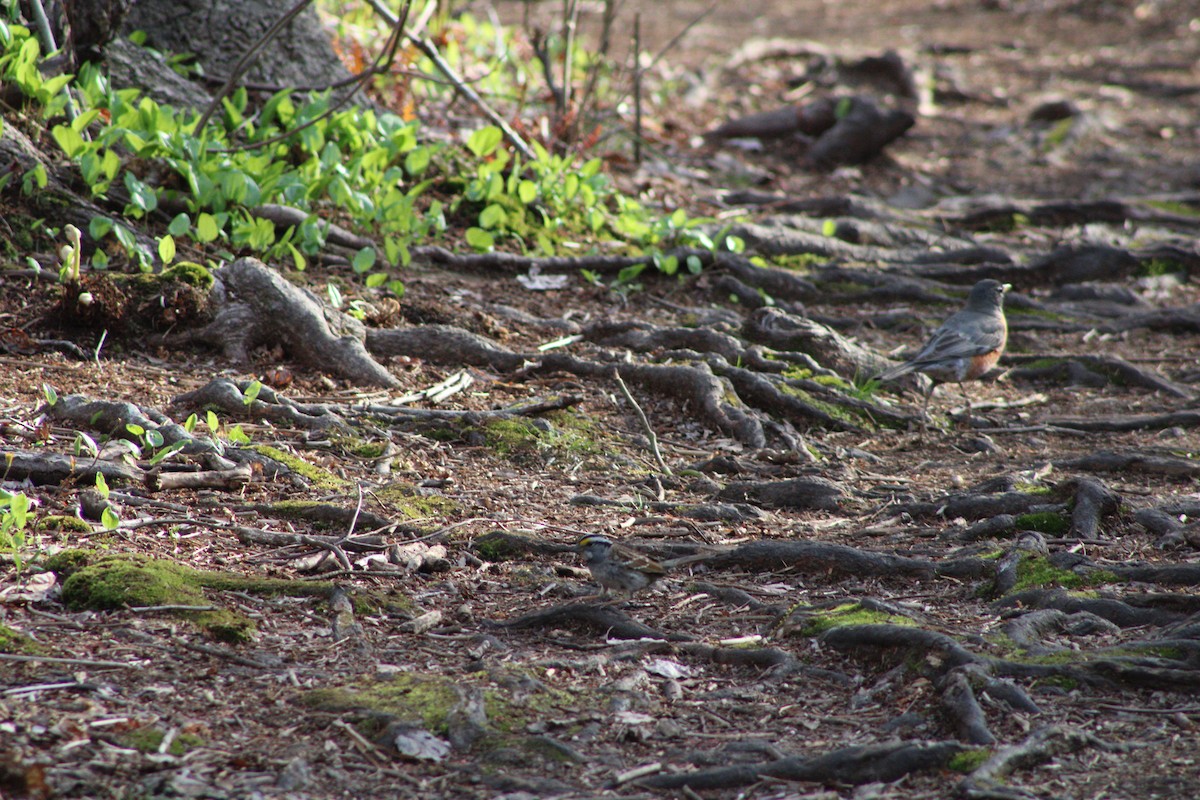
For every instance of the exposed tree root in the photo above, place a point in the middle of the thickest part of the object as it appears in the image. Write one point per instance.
(852, 766)
(603, 619)
(1092, 370)
(260, 307)
(987, 782)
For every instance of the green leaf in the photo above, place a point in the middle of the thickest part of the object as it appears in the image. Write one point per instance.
(694, 265)
(102, 485)
(484, 141)
(480, 239)
(166, 249)
(364, 259)
(493, 216)
(189, 424)
(251, 393)
(135, 429)
(166, 452)
(396, 287)
(237, 435)
(211, 421)
(527, 191)
(50, 394)
(68, 139)
(417, 160)
(109, 519)
(154, 439)
(207, 229)
(376, 279)
(180, 225)
(828, 228)
(141, 196)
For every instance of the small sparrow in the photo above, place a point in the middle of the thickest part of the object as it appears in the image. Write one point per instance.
(616, 567)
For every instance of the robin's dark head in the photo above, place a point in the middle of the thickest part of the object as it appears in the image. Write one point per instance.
(987, 294)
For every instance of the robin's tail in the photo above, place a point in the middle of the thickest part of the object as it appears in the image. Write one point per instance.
(896, 372)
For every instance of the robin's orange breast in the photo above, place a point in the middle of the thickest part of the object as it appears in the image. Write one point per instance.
(980, 365)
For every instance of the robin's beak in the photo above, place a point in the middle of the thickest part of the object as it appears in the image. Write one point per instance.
(1006, 288)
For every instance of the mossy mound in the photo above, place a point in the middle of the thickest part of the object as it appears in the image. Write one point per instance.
(430, 700)
(814, 622)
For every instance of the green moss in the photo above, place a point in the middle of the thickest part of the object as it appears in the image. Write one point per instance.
(17, 643)
(1059, 681)
(191, 273)
(498, 546)
(1174, 207)
(1050, 522)
(817, 621)
(1033, 488)
(969, 760)
(1036, 571)
(360, 447)
(405, 500)
(149, 740)
(62, 522)
(66, 563)
(802, 263)
(319, 478)
(552, 437)
(430, 698)
(835, 382)
(1157, 267)
(847, 414)
(116, 582)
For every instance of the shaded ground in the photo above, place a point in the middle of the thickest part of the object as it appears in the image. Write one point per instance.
(563, 709)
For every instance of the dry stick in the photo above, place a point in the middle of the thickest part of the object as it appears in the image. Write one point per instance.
(588, 95)
(570, 24)
(384, 63)
(637, 88)
(43, 26)
(431, 52)
(79, 662)
(645, 423)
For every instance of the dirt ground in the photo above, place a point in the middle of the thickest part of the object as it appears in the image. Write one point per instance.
(141, 703)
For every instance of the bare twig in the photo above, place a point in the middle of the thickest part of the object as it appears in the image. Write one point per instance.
(244, 63)
(76, 662)
(650, 435)
(431, 52)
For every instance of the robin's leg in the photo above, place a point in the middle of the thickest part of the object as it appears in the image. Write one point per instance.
(967, 400)
(925, 406)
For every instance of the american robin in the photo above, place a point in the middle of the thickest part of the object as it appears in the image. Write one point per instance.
(966, 346)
